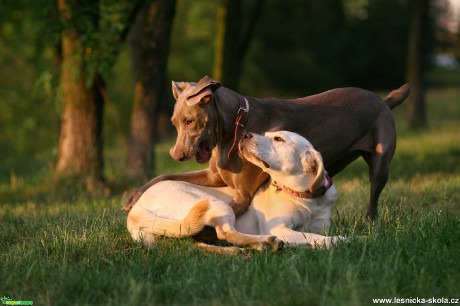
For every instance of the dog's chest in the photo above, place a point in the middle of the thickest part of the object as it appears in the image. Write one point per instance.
(299, 212)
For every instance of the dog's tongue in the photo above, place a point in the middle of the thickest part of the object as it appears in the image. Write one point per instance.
(203, 155)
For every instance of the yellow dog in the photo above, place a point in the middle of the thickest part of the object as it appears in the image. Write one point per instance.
(293, 207)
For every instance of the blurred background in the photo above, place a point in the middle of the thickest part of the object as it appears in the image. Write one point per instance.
(85, 85)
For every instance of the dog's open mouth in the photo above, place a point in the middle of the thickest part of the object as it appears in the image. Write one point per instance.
(266, 165)
(203, 154)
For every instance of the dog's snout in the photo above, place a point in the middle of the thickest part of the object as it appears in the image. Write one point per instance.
(248, 135)
(177, 155)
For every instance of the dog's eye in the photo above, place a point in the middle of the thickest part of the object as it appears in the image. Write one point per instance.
(189, 122)
(277, 138)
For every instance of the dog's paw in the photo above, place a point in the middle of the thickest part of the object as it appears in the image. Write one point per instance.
(270, 243)
(331, 241)
(132, 199)
(276, 243)
(337, 239)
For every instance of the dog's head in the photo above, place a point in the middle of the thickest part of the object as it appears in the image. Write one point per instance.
(195, 119)
(287, 157)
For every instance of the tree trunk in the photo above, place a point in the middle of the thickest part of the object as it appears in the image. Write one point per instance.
(457, 44)
(151, 48)
(232, 40)
(80, 142)
(415, 71)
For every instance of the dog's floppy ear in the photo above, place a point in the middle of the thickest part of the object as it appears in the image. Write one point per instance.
(178, 88)
(203, 90)
(312, 162)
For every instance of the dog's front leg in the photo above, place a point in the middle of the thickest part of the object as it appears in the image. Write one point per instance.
(245, 184)
(240, 203)
(205, 177)
(295, 238)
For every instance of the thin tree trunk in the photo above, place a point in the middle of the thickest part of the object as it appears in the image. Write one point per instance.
(219, 42)
(80, 142)
(457, 43)
(152, 50)
(231, 64)
(415, 70)
(233, 39)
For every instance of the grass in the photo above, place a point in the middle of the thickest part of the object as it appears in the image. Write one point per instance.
(59, 246)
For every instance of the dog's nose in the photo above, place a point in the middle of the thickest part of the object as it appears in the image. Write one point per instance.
(179, 156)
(247, 136)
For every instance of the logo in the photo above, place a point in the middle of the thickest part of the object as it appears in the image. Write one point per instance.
(8, 301)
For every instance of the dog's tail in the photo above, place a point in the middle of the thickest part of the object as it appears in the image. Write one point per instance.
(152, 225)
(193, 223)
(397, 96)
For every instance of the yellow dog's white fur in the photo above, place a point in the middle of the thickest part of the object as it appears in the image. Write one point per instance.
(178, 209)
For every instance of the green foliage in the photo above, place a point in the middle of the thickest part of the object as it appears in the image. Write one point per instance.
(102, 27)
(309, 46)
(301, 47)
(192, 40)
(34, 29)
(30, 60)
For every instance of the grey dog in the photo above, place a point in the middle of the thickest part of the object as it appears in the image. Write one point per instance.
(343, 124)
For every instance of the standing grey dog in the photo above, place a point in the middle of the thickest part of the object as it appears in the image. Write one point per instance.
(343, 124)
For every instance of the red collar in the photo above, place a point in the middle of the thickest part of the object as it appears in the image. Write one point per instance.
(306, 194)
(240, 123)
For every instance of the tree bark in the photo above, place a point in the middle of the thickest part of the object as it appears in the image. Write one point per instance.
(150, 48)
(416, 58)
(80, 142)
(232, 40)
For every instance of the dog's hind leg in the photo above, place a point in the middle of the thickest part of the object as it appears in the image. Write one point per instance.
(379, 161)
(144, 224)
(231, 250)
(225, 230)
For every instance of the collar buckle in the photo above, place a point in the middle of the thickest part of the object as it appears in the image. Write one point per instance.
(244, 109)
(240, 122)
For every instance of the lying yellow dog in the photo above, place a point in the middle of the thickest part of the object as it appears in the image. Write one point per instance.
(293, 207)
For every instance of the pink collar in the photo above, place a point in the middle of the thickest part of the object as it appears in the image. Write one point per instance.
(240, 123)
(306, 194)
